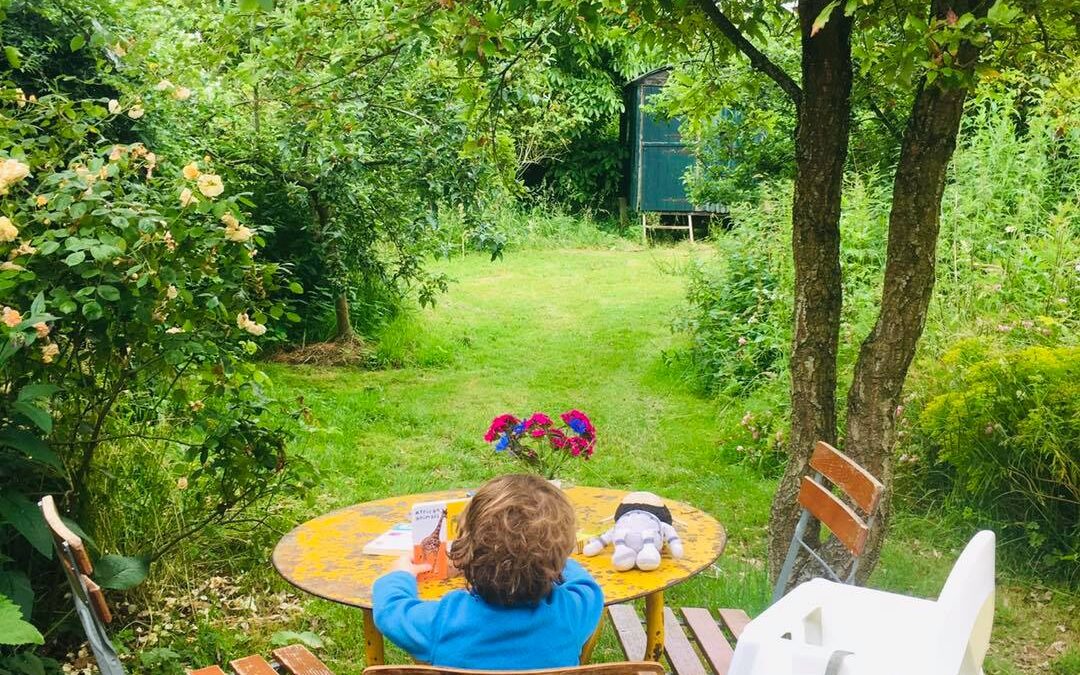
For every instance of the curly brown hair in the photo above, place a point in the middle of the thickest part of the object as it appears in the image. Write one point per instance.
(514, 539)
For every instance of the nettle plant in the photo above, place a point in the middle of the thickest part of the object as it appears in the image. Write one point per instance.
(131, 298)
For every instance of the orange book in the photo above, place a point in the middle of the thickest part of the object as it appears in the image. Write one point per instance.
(434, 528)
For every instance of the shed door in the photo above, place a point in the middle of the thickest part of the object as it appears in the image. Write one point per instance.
(663, 161)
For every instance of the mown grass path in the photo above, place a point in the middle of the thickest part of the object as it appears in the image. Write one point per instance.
(549, 331)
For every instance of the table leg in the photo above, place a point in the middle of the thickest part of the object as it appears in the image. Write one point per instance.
(587, 650)
(373, 642)
(654, 626)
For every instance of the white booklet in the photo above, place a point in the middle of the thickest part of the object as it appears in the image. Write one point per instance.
(396, 541)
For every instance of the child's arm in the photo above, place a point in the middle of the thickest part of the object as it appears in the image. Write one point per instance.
(400, 615)
(581, 598)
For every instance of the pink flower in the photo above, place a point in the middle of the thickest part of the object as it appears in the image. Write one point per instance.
(537, 424)
(557, 438)
(577, 445)
(499, 425)
(579, 422)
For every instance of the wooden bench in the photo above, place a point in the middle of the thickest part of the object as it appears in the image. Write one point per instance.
(622, 668)
(94, 613)
(709, 644)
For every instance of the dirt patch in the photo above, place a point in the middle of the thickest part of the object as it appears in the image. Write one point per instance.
(354, 352)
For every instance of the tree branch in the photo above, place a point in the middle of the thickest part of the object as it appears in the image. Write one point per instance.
(758, 60)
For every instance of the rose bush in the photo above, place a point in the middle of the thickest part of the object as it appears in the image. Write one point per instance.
(132, 299)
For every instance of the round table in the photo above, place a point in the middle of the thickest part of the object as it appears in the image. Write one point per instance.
(324, 557)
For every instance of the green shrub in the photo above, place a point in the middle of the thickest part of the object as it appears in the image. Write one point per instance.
(1004, 430)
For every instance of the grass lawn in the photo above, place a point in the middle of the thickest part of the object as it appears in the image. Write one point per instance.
(583, 329)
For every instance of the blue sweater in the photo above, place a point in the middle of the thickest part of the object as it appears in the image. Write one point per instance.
(463, 631)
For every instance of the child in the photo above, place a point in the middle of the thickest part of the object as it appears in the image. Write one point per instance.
(527, 607)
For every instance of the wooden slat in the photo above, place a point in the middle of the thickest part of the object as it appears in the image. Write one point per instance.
(855, 481)
(680, 652)
(97, 599)
(841, 519)
(735, 619)
(629, 630)
(209, 670)
(710, 638)
(297, 660)
(62, 533)
(252, 665)
(620, 668)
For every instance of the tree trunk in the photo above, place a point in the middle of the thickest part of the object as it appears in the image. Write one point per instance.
(821, 150)
(887, 352)
(344, 331)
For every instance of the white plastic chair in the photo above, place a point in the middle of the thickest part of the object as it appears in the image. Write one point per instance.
(826, 628)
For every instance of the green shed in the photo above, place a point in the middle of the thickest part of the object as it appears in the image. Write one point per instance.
(657, 158)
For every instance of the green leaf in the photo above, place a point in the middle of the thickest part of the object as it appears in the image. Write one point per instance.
(34, 392)
(75, 258)
(110, 293)
(121, 572)
(41, 418)
(267, 5)
(16, 585)
(31, 446)
(288, 637)
(92, 310)
(248, 5)
(48, 248)
(26, 518)
(296, 288)
(14, 59)
(1001, 12)
(823, 17)
(77, 43)
(13, 629)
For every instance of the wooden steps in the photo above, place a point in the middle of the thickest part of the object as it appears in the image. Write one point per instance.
(705, 649)
(291, 660)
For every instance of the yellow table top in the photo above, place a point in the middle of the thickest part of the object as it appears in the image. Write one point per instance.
(324, 556)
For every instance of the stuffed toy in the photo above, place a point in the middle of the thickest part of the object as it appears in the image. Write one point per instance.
(642, 528)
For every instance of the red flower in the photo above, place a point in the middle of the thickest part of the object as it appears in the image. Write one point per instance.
(557, 438)
(580, 423)
(499, 425)
(537, 424)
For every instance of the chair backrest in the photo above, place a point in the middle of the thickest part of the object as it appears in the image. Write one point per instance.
(619, 668)
(967, 608)
(843, 521)
(90, 603)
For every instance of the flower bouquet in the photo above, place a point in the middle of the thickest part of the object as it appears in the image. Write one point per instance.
(540, 445)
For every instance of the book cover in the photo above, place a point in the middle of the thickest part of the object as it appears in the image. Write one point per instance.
(434, 527)
(396, 541)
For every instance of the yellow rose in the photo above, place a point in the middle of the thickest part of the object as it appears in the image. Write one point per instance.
(114, 106)
(171, 292)
(136, 112)
(210, 185)
(49, 352)
(12, 318)
(173, 330)
(42, 329)
(187, 198)
(117, 153)
(24, 248)
(8, 266)
(238, 234)
(230, 220)
(181, 93)
(182, 483)
(8, 231)
(163, 85)
(191, 171)
(12, 171)
(41, 200)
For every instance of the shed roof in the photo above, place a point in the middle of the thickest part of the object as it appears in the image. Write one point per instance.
(647, 75)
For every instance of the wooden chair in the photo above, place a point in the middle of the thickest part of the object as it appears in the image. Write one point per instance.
(621, 668)
(93, 612)
(710, 645)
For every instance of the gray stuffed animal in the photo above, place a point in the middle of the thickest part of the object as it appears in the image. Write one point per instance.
(642, 528)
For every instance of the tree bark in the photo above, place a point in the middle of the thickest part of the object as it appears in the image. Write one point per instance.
(343, 331)
(821, 149)
(885, 355)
